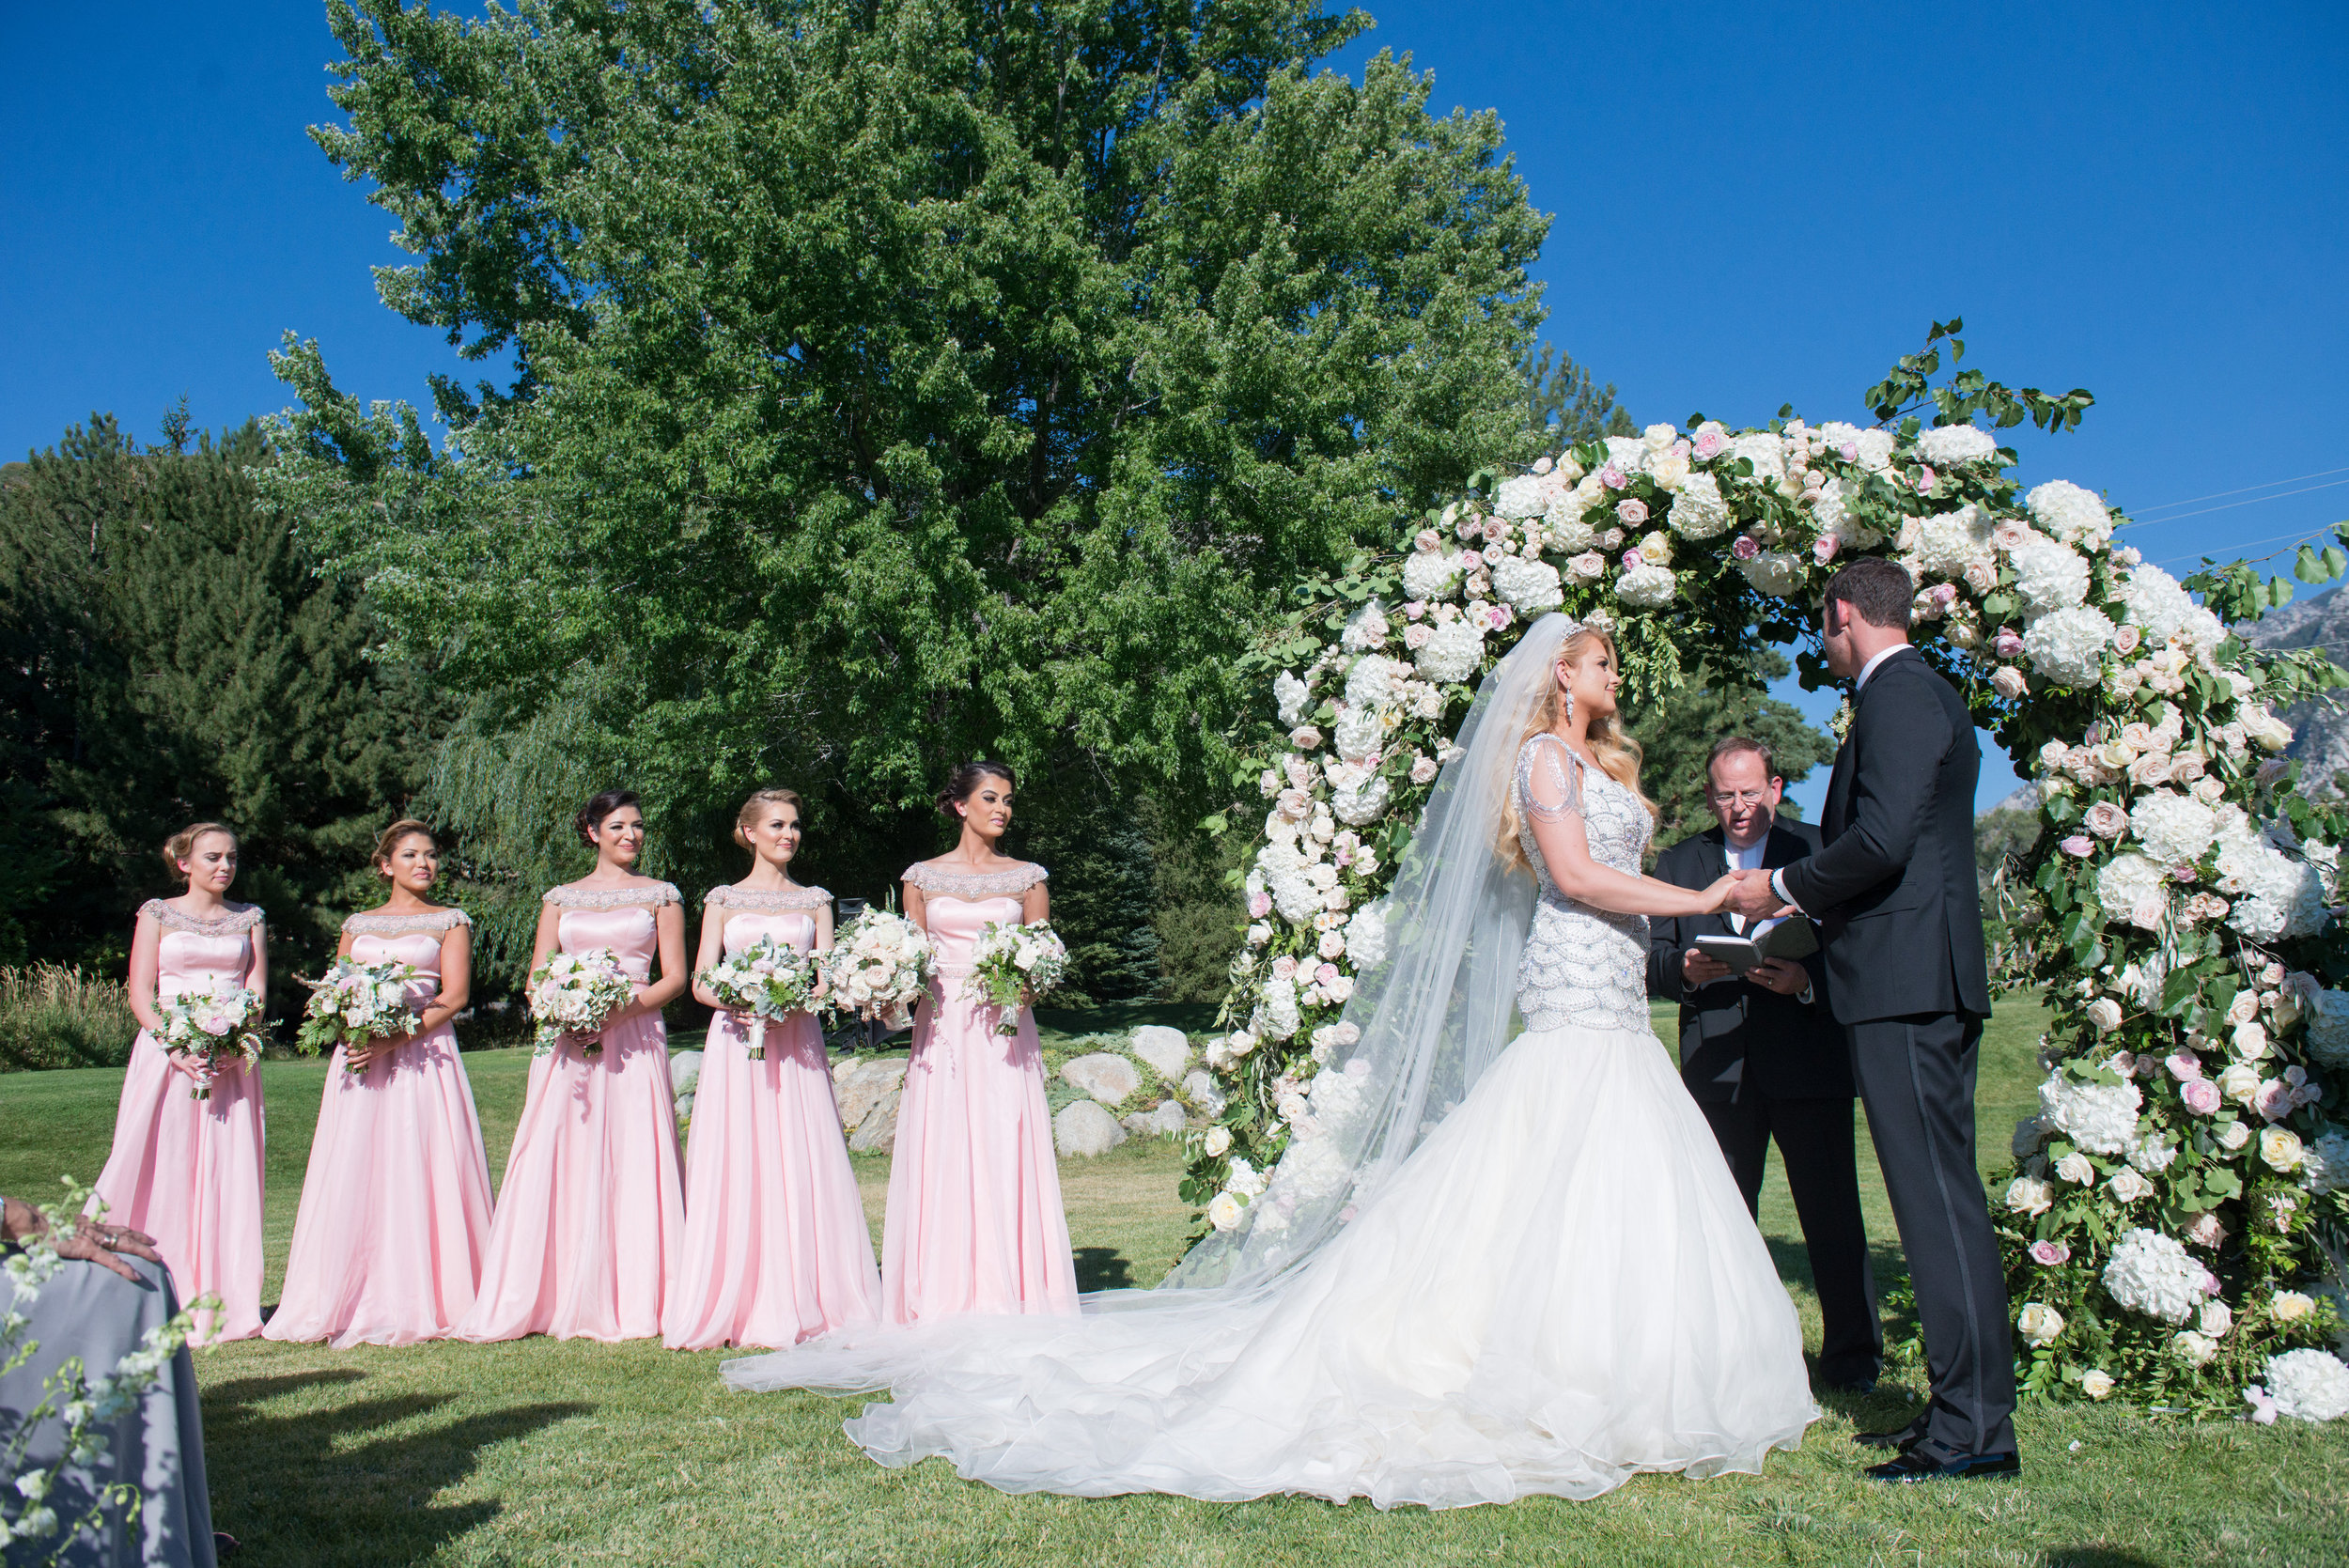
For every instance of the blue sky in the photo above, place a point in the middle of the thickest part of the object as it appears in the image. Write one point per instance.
(1756, 204)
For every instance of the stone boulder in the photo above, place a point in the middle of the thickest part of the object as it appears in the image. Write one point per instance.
(1200, 1085)
(1083, 1127)
(868, 1088)
(1105, 1076)
(685, 1068)
(1163, 1049)
(1166, 1119)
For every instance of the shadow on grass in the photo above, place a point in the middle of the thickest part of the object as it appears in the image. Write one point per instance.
(2095, 1556)
(1103, 1268)
(337, 1484)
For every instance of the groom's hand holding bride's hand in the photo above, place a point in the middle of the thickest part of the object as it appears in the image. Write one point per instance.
(1753, 897)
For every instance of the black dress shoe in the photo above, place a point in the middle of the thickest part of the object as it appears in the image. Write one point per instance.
(1909, 1466)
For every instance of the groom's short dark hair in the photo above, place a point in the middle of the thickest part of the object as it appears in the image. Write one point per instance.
(1878, 591)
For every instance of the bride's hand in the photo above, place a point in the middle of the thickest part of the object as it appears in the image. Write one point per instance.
(1717, 896)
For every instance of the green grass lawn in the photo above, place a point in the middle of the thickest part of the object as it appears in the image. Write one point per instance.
(545, 1452)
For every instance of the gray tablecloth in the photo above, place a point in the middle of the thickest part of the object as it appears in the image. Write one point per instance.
(159, 1446)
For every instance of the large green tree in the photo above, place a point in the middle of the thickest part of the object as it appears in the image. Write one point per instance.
(896, 382)
(170, 651)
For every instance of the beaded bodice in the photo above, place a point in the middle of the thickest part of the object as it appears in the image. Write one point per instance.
(429, 923)
(765, 901)
(191, 953)
(1582, 966)
(787, 914)
(620, 919)
(973, 887)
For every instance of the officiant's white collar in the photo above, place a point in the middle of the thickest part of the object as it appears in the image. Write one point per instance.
(1870, 668)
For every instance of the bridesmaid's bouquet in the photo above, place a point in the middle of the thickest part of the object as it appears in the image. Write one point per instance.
(879, 965)
(355, 1003)
(1014, 964)
(574, 993)
(215, 1024)
(770, 979)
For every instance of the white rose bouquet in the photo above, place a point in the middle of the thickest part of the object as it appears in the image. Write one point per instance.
(879, 965)
(213, 1025)
(355, 1003)
(770, 979)
(574, 993)
(1014, 964)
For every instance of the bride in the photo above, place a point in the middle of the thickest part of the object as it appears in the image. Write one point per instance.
(1545, 1287)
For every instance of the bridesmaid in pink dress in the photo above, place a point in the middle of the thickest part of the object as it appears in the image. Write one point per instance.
(396, 1208)
(593, 1207)
(975, 1214)
(776, 1246)
(188, 1172)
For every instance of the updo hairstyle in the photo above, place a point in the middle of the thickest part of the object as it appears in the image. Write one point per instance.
(601, 805)
(750, 813)
(965, 779)
(406, 828)
(179, 846)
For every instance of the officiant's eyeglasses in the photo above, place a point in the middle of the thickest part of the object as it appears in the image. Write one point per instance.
(1740, 797)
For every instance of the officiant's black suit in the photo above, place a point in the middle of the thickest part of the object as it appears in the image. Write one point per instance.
(1892, 887)
(1761, 1065)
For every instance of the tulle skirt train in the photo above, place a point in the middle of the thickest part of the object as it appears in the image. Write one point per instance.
(1560, 1288)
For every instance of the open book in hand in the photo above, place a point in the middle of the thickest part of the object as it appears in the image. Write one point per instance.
(1794, 938)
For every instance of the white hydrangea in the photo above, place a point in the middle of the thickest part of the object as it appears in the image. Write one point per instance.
(2070, 513)
(1432, 574)
(2151, 1273)
(2098, 1117)
(1949, 542)
(1765, 451)
(2152, 1154)
(1645, 586)
(1366, 937)
(1530, 586)
(2158, 604)
(2068, 647)
(1775, 572)
(2329, 1030)
(1629, 453)
(2309, 1384)
(2049, 576)
(1698, 512)
(2128, 880)
(2174, 828)
(2325, 1163)
(1289, 694)
(1283, 869)
(2276, 896)
(1365, 802)
(1876, 450)
(1276, 1016)
(1358, 732)
(1368, 628)
(1952, 444)
(1524, 496)
(1372, 680)
(1567, 507)
(1452, 653)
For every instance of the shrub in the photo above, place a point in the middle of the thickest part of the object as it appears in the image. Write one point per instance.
(56, 1016)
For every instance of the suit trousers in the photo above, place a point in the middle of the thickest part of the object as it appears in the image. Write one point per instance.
(1816, 1144)
(1917, 1079)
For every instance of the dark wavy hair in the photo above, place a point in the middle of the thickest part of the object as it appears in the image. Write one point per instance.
(601, 805)
(965, 778)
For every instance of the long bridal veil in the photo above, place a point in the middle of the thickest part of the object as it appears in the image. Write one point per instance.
(1434, 1015)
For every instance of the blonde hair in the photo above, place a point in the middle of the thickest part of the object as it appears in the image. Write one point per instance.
(748, 813)
(1613, 749)
(407, 827)
(179, 846)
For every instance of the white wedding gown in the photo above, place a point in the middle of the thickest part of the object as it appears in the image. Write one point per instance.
(1559, 1288)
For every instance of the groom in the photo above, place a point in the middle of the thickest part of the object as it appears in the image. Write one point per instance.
(1894, 890)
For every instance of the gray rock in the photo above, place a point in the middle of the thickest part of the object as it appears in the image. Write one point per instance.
(685, 1107)
(1166, 1119)
(878, 1132)
(684, 1068)
(1084, 1128)
(1163, 1049)
(867, 1089)
(1200, 1086)
(1107, 1077)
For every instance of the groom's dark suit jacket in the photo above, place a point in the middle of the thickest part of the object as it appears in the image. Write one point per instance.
(1892, 885)
(1734, 1033)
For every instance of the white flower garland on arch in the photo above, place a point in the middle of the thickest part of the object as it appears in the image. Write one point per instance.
(2176, 914)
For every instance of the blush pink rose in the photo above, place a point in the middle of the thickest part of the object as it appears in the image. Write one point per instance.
(1428, 541)
(1709, 444)
(1612, 477)
(2007, 643)
(2201, 1096)
(1632, 510)
(2051, 1254)
(1325, 973)
(1413, 608)
(2184, 1066)
(1926, 479)
(1823, 548)
(1283, 968)
(1746, 547)
(2079, 846)
(1259, 904)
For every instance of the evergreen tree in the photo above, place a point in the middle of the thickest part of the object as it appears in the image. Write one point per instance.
(174, 654)
(1564, 408)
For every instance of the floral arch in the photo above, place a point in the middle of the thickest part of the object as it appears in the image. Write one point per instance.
(2176, 1213)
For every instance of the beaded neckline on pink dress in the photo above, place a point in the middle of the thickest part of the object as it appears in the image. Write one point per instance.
(431, 922)
(766, 900)
(1010, 883)
(649, 896)
(228, 924)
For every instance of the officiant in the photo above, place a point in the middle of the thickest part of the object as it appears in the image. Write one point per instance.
(1762, 1055)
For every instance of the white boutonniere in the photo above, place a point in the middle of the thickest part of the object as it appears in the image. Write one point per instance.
(1841, 723)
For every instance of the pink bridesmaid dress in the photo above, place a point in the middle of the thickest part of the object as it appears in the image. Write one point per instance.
(188, 1172)
(776, 1246)
(588, 1220)
(974, 1220)
(396, 1208)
